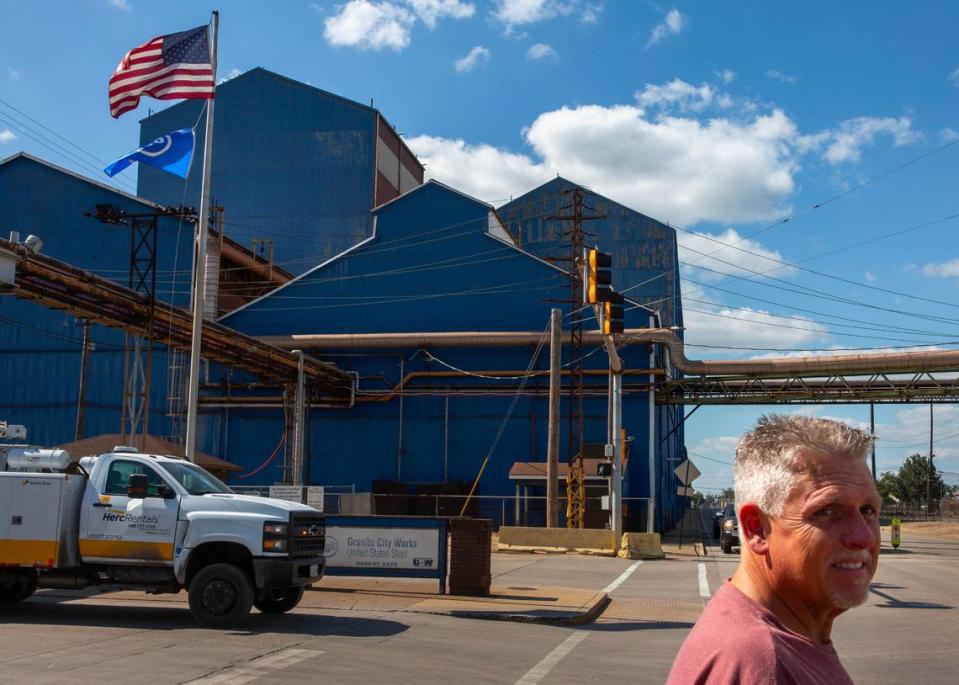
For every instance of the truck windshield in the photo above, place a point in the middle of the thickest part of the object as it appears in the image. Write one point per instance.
(195, 480)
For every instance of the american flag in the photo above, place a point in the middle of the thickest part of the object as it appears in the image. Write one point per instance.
(167, 68)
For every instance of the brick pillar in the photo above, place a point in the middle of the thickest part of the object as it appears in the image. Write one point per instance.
(470, 556)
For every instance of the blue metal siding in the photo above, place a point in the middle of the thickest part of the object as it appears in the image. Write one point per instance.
(431, 267)
(290, 162)
(40, 347)
(643, 249)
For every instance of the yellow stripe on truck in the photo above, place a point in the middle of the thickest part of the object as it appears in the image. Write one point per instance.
(127, 549)
(29, 552)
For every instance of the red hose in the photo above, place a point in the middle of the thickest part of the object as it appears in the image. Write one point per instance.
(269, 460)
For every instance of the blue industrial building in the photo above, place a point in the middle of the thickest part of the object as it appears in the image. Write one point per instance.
(438, 261)
(40, 348)
(323, 187)
(297, 169)
(645, 257)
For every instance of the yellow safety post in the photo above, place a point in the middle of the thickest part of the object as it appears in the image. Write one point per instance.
(896, 532)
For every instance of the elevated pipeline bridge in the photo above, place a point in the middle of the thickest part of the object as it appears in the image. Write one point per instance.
(58, 285)
(891, 377)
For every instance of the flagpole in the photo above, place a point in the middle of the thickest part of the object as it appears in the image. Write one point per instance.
(199, 283)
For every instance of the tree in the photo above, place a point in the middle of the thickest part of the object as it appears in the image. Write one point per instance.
(909, 484)
(888, 486)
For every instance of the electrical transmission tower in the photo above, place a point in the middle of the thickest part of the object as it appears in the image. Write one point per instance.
(575, 480)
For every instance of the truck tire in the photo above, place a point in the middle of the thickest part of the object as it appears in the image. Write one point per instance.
(279, 601)
(220, 595)
(16, 592)
(727, 548)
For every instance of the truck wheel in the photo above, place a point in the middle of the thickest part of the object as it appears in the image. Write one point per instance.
(279, 601)
(16, 592)
(220, 595)
(727, 548)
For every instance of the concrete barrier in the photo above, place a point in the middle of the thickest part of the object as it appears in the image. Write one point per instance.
(565, 539)
(641, 546)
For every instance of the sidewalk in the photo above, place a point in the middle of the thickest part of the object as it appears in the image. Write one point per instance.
(520, 598)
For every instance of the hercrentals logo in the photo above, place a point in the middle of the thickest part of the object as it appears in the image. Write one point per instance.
(127, 518)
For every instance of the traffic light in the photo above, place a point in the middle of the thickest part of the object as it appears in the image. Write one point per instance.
(604, 469)
(613, 314)
(600, 277)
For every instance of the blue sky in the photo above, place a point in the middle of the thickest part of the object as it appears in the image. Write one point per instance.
(721, 118)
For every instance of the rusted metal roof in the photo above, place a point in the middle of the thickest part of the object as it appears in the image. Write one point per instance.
(101, 444)
(536, 470)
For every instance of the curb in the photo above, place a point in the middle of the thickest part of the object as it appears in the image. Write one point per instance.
(575, 620)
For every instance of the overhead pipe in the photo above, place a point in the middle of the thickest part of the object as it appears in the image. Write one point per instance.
(245, 259)
(888, 362)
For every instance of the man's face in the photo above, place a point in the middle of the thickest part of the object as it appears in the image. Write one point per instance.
(824, 548)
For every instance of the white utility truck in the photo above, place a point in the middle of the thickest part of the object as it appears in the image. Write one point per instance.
(128, 520)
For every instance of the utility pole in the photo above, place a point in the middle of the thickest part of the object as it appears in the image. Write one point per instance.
(84, 373)
(929, 472)
(575, 489)
(872, 432)
(552, 447)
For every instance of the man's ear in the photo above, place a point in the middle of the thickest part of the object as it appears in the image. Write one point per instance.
(753, 529)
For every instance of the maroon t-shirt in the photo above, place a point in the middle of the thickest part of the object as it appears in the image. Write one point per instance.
(736, 640)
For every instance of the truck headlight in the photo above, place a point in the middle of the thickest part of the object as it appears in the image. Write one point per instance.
(274, 529)
(275, 537)
(275, 545)
(729, 525)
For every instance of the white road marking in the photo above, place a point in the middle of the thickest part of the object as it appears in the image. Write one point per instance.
(542, 669)
(703, 583)
(256, 668)
(622, 577)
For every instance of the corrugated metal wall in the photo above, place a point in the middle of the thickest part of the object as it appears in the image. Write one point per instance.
(431, 267)
(643, 249)
(39, 347)
(291, 163)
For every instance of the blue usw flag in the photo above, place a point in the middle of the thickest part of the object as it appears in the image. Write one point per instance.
(171, 152)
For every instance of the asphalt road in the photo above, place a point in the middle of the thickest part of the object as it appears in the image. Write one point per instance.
(905, 632)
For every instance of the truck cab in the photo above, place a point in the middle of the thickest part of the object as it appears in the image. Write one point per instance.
(164, 524)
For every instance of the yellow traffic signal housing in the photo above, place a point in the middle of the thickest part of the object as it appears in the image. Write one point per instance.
(600, 277)
(613, 315)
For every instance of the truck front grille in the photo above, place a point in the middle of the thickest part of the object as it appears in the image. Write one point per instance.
(307, 535)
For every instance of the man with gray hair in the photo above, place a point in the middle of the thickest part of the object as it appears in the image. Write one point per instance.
(808, 515)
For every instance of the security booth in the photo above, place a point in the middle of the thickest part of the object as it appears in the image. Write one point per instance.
(529, 499)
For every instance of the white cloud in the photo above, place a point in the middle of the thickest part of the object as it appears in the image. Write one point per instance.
(676, 93)
(540, 51)
(231, 74)
(370, 25)
(777, 75)
(482, 171)
(869, 277)
(744, 259)
(475, 57)
(948, 269)
(948, 135)
(374, 25)
(120, 5)
(670, 159)
(671, 25)
(13, 74)
(724, 327)
(908, 433)
(845, 143)
(514, 13)
(954, 76)
(676, 169)
(726, 75)
(7, 136)
(723, 446)
(430, 10)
